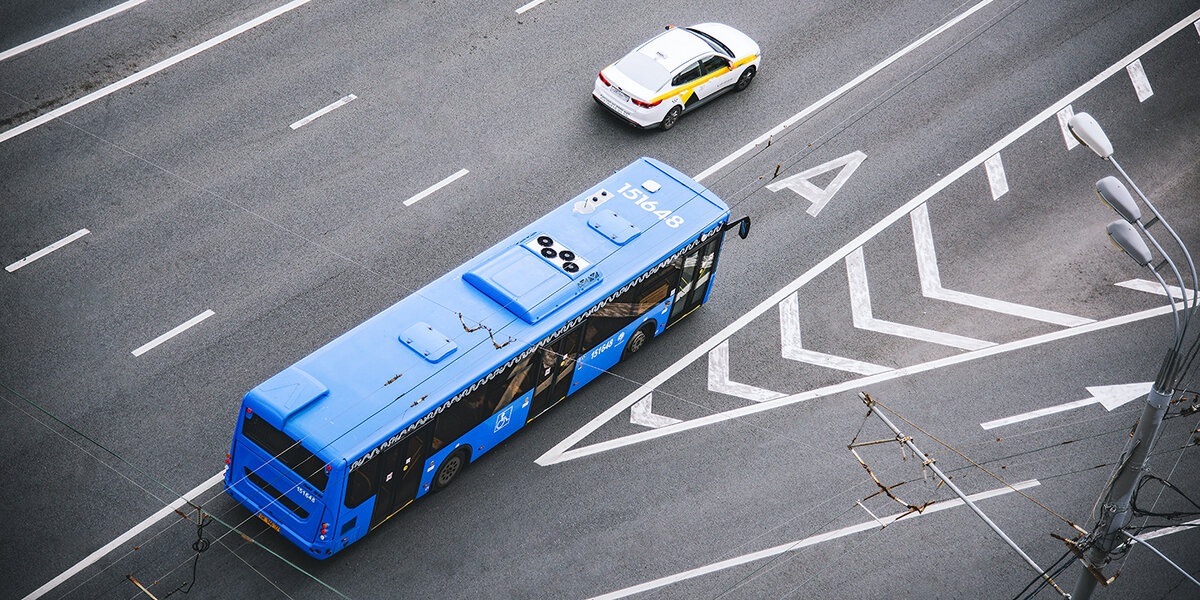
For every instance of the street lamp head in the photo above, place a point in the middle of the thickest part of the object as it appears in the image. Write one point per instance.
(1125, 237)
(1090, 134)
(1116, 196)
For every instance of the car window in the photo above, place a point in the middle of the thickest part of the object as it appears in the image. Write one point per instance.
(689, 73)
(713, 64)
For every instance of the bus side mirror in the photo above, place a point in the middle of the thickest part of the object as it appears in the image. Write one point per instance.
(743, 226)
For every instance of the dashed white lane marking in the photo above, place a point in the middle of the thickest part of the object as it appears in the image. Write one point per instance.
(76, 26)
(793, 348)
(1141, 84)
(718, 378)
(320, 113)
(995, 174)
(562, 451)
(529, 6)
(1151, 287)
(834, 95)
(1064, 117)
(46, 250)
(125, 537)
(931, 281)
(642, 413)
(144, 348)
(140, 75)
(435, 187)
(877, 523)
(860, 305)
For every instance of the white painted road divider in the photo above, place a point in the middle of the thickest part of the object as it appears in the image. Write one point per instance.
(435, 187)
(46, 250)
(1110, 396)
(144, 348)
(76, 26)
(320, 113)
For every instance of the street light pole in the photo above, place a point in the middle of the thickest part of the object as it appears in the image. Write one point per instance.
(1108, 535)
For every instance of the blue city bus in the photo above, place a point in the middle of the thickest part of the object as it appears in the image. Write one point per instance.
(332, 446)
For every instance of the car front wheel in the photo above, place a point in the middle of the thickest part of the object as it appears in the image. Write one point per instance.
(743, 82)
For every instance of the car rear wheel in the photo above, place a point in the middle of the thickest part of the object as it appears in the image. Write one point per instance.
(672, 116)
(743, 82)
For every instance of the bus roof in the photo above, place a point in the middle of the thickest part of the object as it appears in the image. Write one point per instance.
(378, 378)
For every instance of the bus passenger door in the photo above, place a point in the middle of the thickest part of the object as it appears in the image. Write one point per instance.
(556, 365)
(400, 475)
(694, 278)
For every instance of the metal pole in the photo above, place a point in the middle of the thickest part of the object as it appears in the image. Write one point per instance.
(1134, 538)
(1107, 534)
(907, 441)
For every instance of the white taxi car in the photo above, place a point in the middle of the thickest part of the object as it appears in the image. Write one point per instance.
(676, 71)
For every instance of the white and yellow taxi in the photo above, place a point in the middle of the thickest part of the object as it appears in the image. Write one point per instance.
(676, 71)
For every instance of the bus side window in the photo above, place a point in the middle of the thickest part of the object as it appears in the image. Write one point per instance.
(459, 418)
(361, 483)
(513, 384)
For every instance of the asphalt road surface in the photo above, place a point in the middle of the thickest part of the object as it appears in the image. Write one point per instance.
(947, 256)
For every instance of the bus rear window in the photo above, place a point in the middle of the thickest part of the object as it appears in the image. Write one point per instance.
(286, 450)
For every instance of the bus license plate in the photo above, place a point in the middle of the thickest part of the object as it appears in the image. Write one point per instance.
(268, 522)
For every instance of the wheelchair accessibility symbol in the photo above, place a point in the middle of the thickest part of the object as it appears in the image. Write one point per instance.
(503, 418)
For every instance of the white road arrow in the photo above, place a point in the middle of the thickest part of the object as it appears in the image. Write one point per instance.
(1109, 396)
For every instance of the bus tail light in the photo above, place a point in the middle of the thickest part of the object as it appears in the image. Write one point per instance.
(324, 530)
(228, 457)
(645, 104)
(604, 80)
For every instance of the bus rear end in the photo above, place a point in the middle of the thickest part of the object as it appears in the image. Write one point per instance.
(284, 483)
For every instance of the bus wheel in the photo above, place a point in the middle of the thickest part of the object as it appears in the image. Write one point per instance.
(639, 339)
(449, 470)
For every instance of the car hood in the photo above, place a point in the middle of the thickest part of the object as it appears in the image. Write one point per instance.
(740, 43)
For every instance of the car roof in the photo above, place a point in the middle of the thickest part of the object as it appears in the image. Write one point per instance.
(674, 48)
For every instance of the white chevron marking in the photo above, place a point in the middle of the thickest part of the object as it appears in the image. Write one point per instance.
(860, 304)
(1151, 287)
(789, 331)
(641, 413)
(931, 281)
(718, 378)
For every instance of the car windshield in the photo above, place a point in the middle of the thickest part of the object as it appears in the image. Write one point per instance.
(644, 70)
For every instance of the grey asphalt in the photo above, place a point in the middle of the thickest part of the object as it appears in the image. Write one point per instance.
(199, 196)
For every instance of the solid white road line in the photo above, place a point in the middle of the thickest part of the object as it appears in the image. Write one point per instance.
(560, 453)
(435, 187)
(76, 26)
(140, 75)
(793, 347)
(46, 250)
(1141, 84)
(313, 117)
(718, 378)
(125, 537)
(995, 174)
(1190, 525)
(529, 6)
(860, 306)
(834, 95)
(1064, 117)
(877, 523)
(931, 281)
(140, 350)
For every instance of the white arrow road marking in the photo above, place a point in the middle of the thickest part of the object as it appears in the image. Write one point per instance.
(810, 541)
(641, 413)
(931, 281)
(718, 378)
(793, 349)
(1110, 396)
(860, 304)
(1151, 287)
(565, 450)
(995, 174)
(799, 183)
(1064, 117)
(1141, 84)
(562, 451)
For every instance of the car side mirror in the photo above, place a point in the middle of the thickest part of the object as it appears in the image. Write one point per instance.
(743, 226)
